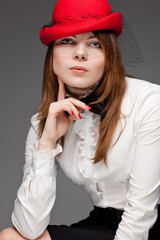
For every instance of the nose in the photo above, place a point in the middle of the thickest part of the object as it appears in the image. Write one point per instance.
(81, 56)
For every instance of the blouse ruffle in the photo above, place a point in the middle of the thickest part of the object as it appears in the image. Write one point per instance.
(87, 130)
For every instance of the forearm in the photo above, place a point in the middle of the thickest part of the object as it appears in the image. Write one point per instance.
(136, 222)
(36, 195)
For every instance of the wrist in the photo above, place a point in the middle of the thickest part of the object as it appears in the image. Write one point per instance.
(45, 145)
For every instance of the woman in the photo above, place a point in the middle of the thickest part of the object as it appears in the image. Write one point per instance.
(100, 126)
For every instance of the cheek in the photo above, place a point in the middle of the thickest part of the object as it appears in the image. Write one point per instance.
(99, 67)
(57, 64)
(101, 64)
(57, 61)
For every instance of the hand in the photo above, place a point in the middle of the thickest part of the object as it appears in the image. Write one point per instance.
(57, 123)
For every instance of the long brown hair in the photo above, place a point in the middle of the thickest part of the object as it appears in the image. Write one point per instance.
(111, 90)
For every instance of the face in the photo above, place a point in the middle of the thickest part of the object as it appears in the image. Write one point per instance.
(72, 53)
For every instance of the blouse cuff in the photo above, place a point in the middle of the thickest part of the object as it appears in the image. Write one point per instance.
(44, 160)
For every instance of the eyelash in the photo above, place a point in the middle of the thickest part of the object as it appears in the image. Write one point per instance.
(68, 39)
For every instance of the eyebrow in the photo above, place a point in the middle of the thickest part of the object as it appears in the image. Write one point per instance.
(88, 38)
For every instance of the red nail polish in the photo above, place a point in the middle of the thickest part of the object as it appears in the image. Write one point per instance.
(72, 113)
(88, 107)
(79, 116)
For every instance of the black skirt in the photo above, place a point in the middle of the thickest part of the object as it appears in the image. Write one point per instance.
(101, 224)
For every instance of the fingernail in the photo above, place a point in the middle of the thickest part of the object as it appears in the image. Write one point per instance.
(88, 107)
(79, 116)
(72, 113)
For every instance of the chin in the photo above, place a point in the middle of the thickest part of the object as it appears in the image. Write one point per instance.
(79, 83)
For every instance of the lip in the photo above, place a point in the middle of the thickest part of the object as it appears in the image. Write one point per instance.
(79, 68)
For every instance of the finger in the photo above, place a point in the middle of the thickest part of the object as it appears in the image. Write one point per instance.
(78, 104)
(76, 111)
(57, 108)
(61, 91)
(71, 118)
(79, 110)
(73, 110)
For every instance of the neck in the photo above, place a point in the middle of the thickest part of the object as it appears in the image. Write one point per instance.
(80, 92)
(76, 93)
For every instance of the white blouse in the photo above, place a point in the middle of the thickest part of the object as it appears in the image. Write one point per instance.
(130, 183)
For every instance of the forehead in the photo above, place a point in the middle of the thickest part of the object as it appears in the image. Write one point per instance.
(84, 35)
(87, 35)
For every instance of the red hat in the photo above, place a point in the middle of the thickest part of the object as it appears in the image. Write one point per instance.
(72, 17)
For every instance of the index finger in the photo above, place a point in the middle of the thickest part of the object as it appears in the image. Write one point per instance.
(61, 92)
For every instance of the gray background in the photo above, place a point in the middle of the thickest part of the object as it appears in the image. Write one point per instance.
(21, 67)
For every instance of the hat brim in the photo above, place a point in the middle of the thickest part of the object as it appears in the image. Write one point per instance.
(70, 28)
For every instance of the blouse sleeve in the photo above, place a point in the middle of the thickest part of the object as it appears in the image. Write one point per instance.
(37, 193)
(140, 212)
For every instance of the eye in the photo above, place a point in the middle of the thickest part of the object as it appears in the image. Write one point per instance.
(96, 44)
(66, 41)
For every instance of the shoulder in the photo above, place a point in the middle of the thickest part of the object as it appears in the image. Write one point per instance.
(138, 86)
(141, 98)
(145, 99)
(141, 91)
